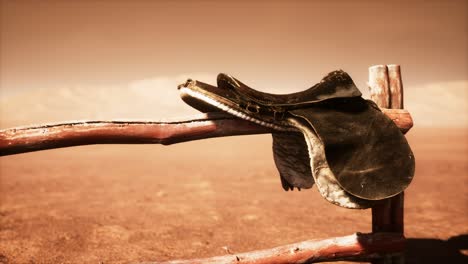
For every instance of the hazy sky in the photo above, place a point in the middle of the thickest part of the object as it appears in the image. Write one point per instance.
(277, 46)
(56, 43)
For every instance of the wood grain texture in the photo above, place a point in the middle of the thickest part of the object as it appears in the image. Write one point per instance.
(395, 86)
(353, 247)
(402, 118)
(42, 137)
(378, 85)
(387, 216)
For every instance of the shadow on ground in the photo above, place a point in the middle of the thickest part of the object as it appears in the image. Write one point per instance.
(419, 250)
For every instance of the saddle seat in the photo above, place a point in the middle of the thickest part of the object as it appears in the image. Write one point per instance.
(328, 135)
(337, 84)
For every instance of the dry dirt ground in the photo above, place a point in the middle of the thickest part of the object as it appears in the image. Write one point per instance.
(120, 204)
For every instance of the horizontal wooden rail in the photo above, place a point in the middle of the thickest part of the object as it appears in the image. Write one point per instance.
(354, 247)
(34, 138)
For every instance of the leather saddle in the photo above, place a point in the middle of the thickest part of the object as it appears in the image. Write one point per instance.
(327, 134)
(335, 85)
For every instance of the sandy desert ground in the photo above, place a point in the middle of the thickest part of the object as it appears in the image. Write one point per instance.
(119, 204)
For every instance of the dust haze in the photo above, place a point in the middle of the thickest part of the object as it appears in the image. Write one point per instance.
(104, 60)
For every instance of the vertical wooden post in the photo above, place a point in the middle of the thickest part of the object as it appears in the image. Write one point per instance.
(386, 90)
(397, 202)
(395, 86)
(378, 85)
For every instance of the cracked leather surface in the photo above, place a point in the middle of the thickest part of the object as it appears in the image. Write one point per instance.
(352, 151)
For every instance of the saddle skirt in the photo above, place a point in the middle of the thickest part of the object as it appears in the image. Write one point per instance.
(327, 134)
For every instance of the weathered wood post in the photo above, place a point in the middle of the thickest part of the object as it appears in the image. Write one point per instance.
(387, 216)
(386, 90)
